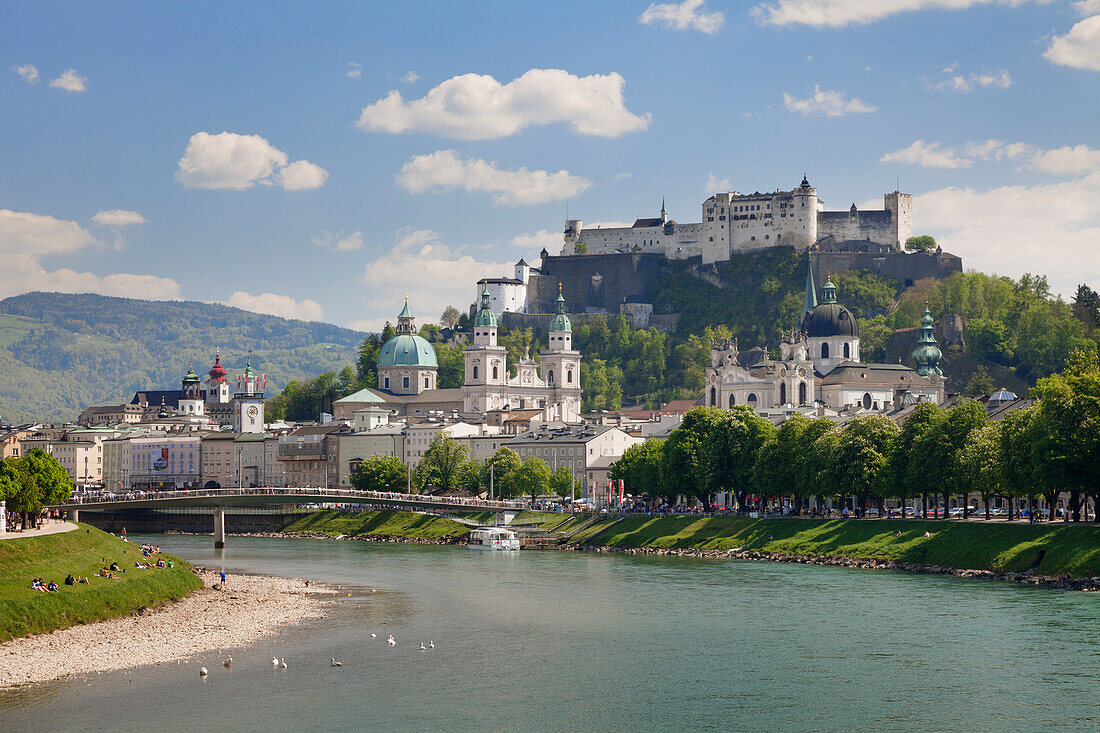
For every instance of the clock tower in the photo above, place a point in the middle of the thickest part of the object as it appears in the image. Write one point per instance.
(248, 402)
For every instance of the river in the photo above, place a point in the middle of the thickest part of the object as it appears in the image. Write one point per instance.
(564, 641)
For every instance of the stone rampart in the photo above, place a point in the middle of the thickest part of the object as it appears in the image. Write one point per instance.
(907, 268)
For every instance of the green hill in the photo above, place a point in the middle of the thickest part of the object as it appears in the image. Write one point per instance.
(60, 353)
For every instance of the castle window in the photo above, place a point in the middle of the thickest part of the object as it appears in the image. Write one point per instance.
(824, 351)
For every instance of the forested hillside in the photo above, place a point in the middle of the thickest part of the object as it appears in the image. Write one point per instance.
(60, 353)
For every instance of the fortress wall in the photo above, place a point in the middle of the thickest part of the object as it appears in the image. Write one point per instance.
(876, 226)
(600, 281)
(904, 267)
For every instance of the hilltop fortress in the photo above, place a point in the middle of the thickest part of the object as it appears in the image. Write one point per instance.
(734, 222)
(612, 269)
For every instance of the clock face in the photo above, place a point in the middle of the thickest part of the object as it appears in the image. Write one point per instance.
(253, 411)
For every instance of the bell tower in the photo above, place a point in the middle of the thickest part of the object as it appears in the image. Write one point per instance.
(486, 362)
(248, 402)
(561, 366)
(192, 402)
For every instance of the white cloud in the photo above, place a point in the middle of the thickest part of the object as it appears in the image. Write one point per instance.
(827, 103)
(621, 176)
(237, 162)
(540, 240)
(28, 71)
(301, 175)
(1050, 228)
(964, 83)
(433, 274)
(444, 170)
(478, 107)
(688, 15)
(118, 218)
(1064, 161)
(411, 77)
(927, 155)
(339, 241)
(276, 305)
(25, 238)
(354, 70)
(835, 13)
(1080, 48)
(1087, 7)
(70, 81)
(714, 184)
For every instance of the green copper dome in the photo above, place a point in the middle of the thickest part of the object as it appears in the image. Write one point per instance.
(485, 317)
(927, 355)
(560, 322)
(191, 377)
(407, 349)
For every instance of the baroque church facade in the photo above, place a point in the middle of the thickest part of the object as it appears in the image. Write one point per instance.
(819, 362)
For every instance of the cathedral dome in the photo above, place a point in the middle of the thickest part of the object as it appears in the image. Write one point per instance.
(829, 318)
(407, 349)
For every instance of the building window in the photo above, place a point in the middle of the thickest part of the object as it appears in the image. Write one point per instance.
(550, 376)
(752, 400)
(847, 351)
(425, 382)
(494, 372)
(404, 382)
(802, 393)
(824, 351)
(713, 397)
(386, 383)
(475, 371)
(569, 377)
(782, 394)
(732, 401)
(867, 400)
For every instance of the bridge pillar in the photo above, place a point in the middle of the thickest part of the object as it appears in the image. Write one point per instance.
(219, 527)
(74, 515)
(509, 516)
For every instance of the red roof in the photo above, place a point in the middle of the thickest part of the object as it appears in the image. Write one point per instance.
(217, 372)
(677, 407)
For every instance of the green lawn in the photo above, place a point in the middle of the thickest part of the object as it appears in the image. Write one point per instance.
(388, 523)
(543, 520)
(24, 610)
(973, 545)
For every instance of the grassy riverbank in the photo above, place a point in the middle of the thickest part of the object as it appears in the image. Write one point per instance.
(82, 552)
(1074, 550)
(386, 523)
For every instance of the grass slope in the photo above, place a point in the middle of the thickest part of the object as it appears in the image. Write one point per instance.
(387, 523)
(83, 551)
(968, 545)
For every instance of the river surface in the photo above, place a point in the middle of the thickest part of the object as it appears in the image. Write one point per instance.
(563, 641)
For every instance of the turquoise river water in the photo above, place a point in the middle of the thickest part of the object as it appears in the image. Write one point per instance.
(562, 641)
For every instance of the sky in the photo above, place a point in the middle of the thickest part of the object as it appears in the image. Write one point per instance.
(321, 160)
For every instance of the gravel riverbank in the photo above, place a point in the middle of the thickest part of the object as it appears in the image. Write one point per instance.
(243, 610)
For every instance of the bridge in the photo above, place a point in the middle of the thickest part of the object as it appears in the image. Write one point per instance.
(220, 499)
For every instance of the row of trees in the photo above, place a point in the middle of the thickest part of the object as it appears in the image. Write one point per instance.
(1042, 451)
(447, 465)
(29, 483)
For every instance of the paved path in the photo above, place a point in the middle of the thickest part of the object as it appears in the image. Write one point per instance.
(51, 527)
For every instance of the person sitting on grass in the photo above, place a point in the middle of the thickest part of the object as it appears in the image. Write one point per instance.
(52, 587)
(70, 580)
(115, 567)
(37, 584)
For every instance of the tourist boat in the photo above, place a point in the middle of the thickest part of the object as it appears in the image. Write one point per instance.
(492, 538)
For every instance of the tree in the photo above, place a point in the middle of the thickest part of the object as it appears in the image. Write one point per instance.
(1086, 308)
(904, 469)
(450, 317)
(561, 482)
(470, 478)
(858, 462)
(640, 468)
(366, 368)
(986, 337)
(979, 384)
(381, 473)
(1017, 467)
(937, 454)
(921, 243)
(441, 465)
(980, 463)
(580, 248)
(532, 478)
(38, 479)
(683, 463)
(730, 448)
(499, 471)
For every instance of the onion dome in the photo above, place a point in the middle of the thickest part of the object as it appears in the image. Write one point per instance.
(829, 318)
(217, 372)
(484, 317)
(407, 348)
(560, 322)
(927, 355)
(163, 411)
(190, 377)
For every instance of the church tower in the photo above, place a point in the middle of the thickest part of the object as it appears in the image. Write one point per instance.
(248, 402)
(561, 366)
(486, 362)
(927, 355)
(217, 388)
(191, 402)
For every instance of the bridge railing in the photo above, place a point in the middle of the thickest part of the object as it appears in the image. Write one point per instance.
(305, 493)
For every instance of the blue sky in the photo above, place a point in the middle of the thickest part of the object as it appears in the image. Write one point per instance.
(255, 153)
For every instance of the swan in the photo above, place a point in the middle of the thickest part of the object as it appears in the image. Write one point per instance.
(229, 661)
(282, 663)
(203, 672)
(373, 636)
(274, 661)
(334, 663)
(422, 647)
(431, 644)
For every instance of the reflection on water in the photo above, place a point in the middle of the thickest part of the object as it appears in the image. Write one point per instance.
(572, 641)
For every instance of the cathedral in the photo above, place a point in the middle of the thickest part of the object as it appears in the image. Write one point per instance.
(819, 362)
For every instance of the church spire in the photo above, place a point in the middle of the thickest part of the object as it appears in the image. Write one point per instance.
(809, 299)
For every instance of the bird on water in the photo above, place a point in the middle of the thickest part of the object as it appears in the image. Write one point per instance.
(334, 663)
(228, 661)
(422, 647)
(203, 672)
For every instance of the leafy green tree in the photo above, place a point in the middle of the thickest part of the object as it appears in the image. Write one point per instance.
(562, 482)
(683, 458)
(381, 473)
(937, 454)
(730, 449)
(821, 465)
(441, 465)
(1067, 448)
(1018, 471)
(1086, 309)
(470, 478)
(532, 478)
(580, 248)
(921, 243)
(502, 466)
(980, 383)
(640, 468)
(38, 479)
(905, 470)
(986, 337)
(859, 461)
(980, 463)
(450, 317)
